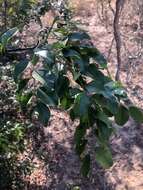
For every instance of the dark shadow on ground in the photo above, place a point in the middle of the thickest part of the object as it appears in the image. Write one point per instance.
(54, 145)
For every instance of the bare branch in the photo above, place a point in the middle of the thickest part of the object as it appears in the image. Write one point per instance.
(110, 6)
(5, 4)
(119, 7)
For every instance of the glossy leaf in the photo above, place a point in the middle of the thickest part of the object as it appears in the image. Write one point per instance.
(5, 38)
(77, 58)
(116, 89)
(81, 107)
(85, 168)
(96, 74)
(79, 134)
(22, 84)
(24, 99)
(74, 91)
(95, 87)
(104, 157)
(136, 114)
(71, 53)
(44, 113)
(94, 53)
(78, 36)
(62, 85)
(45, 98)
(46, 79)
(82, 63)
(84, 104)
(100, 115)
(34, 60)
(122, 115)
(19, 69)
(103, 132)
(109, 103)
(80, 147)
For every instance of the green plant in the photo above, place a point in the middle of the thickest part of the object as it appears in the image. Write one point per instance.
(12, 169)
(13, 132)
(15, 12)
(72, 77)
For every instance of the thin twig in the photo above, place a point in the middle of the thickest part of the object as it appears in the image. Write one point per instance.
(110, 49)
(119, 7)
(111, 8)
(5, 14)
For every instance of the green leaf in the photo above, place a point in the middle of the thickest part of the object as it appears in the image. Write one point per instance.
(94, 72)
(66, 102)
(19, 68)
(109, 103)
(99, 58)
(94, 53)
(34, 60)
(5, 38)
(62, 30)
(103, 132)
(44, 113)
(136, 114)
(46, 79)
(81, 107)
(81, 147)
(22, 84)
(74, 91)
(45, 98)
(59, 44)
(85, 168)
(62, 85)
(84, 104)
(76, 188)
(76, 57)
(107, 112)
(24, 99)
(122, 115)
(78, 36)
(79, 134)
(104, 157)
(95, 87)
(82, 63)
(69, 52)
(103, 117)
(116, 88)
